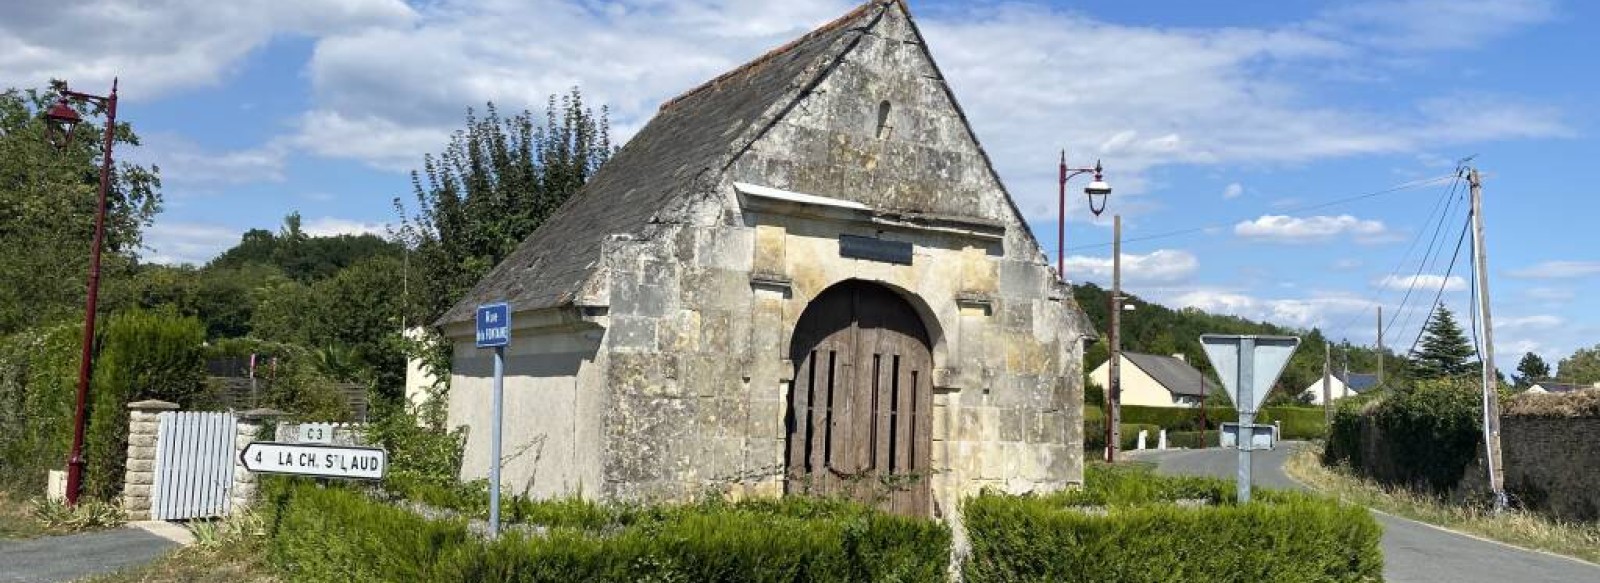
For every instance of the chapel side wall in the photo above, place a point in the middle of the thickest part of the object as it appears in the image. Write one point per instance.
(550, 427)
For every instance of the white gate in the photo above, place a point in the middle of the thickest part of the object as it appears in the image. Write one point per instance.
(194, 465)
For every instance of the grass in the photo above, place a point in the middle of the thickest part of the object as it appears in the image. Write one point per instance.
(17, 519)
(1514, 527)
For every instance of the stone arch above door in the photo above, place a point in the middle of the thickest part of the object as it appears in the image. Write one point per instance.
(860, 414)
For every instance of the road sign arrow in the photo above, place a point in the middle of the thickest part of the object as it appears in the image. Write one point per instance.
(1252, 363)
(325, 461)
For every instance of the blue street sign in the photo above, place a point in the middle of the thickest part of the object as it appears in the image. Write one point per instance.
(494, 325)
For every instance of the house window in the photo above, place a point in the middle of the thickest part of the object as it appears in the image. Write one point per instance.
(884, 129)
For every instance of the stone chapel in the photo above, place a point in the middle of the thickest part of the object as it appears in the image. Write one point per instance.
(801, 276)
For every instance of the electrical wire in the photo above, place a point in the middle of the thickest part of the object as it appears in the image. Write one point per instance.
(1454, 259)
(1423, 267)
(1344, 328)
(1396, 188)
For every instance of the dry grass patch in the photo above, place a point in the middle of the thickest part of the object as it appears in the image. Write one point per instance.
(17, 519)
(1514, 527)
(1584, 403)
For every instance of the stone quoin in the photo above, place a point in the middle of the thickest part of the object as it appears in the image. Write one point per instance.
(801, 276)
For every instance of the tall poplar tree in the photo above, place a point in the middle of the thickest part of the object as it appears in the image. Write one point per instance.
(492, 186)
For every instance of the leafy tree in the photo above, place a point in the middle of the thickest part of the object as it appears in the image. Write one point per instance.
(351, 322)
(1530, 369)
(491, 187)
(1445, 351)
(300, 256)
(1583, 367)
(47, 208)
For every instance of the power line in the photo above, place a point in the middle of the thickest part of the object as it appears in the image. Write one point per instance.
(1344, 328)
(1422, 266)
(1454, 258)
(1396, 188)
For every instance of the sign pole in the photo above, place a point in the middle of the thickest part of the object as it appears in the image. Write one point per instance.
(1247, 413)
(494, 443)
(494, 331)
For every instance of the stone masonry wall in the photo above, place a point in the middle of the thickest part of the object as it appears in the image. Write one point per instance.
(1552, 464)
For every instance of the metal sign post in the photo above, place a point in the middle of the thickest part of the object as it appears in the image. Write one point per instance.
(494, 331)
(1248, 367)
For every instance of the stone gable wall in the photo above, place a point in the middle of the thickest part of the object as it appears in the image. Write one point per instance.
(1553, 464)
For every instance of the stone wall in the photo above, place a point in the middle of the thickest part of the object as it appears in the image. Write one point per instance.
(1553, 464)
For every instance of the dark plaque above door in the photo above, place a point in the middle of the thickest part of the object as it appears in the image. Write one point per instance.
(871, 249)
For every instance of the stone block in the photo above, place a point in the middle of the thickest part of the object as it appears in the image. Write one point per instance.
(679, 332)
(718, 333)
(767, 419)
(632, 334)
(142, 440)
(142, 452)
(139, 477)
(141, 466)
(769, 250)
(136, 490)
(1013, 425)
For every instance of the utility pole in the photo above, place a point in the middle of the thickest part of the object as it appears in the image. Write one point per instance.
(1491, 397)
(1327, 383)
(1381, 353)
(1114, 392)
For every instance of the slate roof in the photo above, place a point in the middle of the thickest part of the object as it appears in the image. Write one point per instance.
(1174, 374)
(1360, 382)
(692, 134)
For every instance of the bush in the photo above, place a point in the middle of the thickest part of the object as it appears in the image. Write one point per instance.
(338, 534)
(1192, 439)
(1303, 423)
(1094, 435)
(143, 355)
(1423, 436)
(38, 388)
(1142, 536)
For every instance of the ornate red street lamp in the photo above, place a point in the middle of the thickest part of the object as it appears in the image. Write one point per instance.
(60, 120)
(1097, 192)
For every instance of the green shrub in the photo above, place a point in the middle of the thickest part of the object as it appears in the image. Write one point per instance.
(143, 355)
(1192, 439)
(38, 388)
(1094, 435)
(1141, 536)
(1302, 423)
(338, 534)
(1424, 435)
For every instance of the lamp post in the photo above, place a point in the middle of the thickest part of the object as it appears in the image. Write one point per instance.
(60, 120)
(1097, 190)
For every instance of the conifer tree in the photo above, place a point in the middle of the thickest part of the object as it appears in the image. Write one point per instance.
(1445, 351)
(1531, 368)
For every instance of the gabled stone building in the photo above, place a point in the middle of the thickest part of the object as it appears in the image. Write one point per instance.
(803, 275)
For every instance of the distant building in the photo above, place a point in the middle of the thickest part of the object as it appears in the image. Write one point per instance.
(1152, 380)
(1555, 387)
(1340, 386)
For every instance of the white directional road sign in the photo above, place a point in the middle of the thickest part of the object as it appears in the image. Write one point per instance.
(326, 461)
(1255, 361)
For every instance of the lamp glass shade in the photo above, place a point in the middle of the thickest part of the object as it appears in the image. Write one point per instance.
(1097, 192)
(59, 122)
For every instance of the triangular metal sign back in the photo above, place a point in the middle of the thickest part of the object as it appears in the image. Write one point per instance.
(1251, 362)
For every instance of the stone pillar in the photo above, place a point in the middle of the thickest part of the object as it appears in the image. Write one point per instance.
(243, 492)
(143, 423)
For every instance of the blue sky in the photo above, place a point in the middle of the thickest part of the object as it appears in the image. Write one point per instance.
(1223, 121)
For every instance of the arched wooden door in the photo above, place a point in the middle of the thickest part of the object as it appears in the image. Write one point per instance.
(860, 415)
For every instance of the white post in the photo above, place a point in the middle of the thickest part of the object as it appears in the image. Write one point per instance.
(1162, 444)
(1143, 434)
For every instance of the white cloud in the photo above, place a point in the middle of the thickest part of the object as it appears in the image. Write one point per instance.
(1550, 294)
(172, 243)
(1432, 24)
(330, 226)
(1347, 264)
(1157, 267)
(1233, 190)
(1559, 270)
(1541, 321)
(1298, 312)
(163, 46)
(1425, 282)
(187, 168)
(1287, 229)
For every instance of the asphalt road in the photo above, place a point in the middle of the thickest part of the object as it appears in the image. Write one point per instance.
(1412, 551)
(76, 556)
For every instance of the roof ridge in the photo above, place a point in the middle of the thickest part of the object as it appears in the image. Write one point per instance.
(779, 51)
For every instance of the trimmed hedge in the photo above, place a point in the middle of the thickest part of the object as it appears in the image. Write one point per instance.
(1300, 423)
(1132, 532)
(338, 534)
